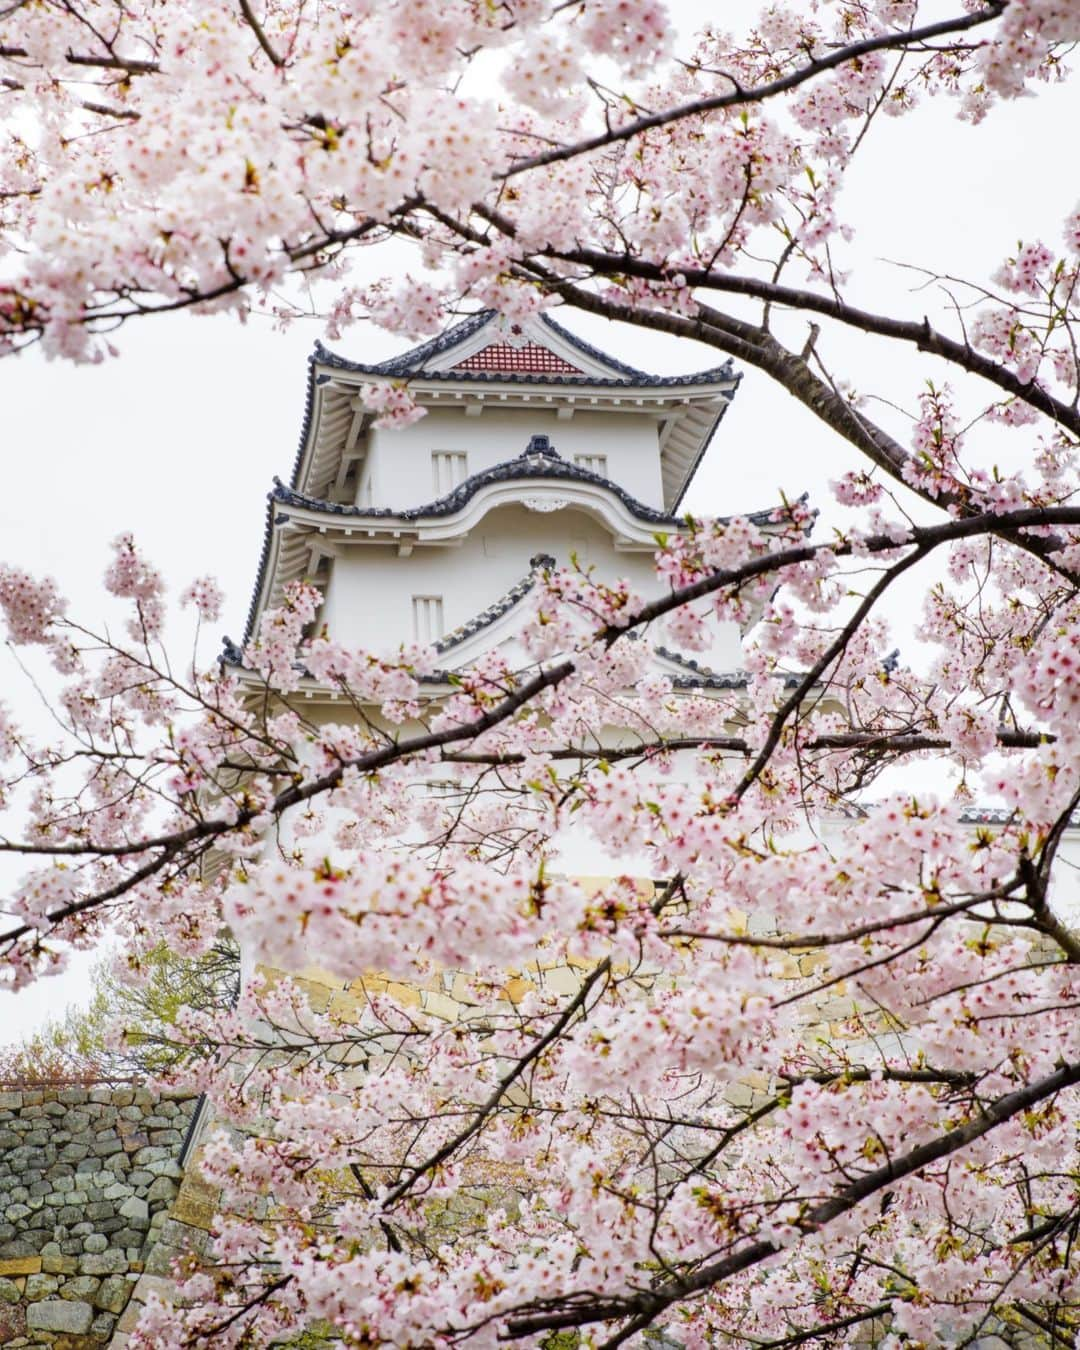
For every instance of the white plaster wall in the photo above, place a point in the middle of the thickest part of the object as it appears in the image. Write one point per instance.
(399, 462)
(369, 598)
(1065, 880)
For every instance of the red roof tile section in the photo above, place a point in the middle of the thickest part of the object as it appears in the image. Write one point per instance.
(528, 359)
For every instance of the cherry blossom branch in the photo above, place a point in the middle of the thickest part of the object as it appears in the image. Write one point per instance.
(883, 742)
(568, 1015)
(643, 1308)
(103, 109)
(806, 684)
(741, 97)
(263, 1296)
(819, 941)
(129, 65)
(923, 539)
(677, 1115)
(825, 1329)
(1037, 885)
(260, 34)
(918, 334)
(748, 343)
(756, 347)
(127, 304)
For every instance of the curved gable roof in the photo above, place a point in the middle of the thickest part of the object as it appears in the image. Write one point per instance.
(535, 463)
(532, 463)
(418, 361)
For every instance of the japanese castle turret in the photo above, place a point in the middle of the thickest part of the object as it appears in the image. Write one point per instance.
(535, 446)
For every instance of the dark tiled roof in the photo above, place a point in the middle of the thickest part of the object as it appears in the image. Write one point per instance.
(533, 463)
(268, 529)
(699, 676)
(264, 562)
(408, 363)
(726, 680)
(970, 815)
(538, 460)
(987, 815)
(1001, 815)
(497, 608)
(414, 362)
(703, 677)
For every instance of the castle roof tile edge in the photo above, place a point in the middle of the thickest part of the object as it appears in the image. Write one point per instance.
(704, 677)
(232, 654)
(412, 363)
(1002, 815)
(310, 386)
(495, 611)
(968, 815)
(986, 815)
(532, 464)
(521, 468)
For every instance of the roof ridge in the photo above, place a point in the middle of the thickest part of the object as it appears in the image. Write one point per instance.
(412, 362)
(706, 677)
(407, 362)
(587, 349)
(531, 464)
(414, 359)
(490, 613)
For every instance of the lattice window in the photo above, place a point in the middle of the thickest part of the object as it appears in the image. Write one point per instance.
(427, 615)
(448, 469)
(528, 359)
(594, 463)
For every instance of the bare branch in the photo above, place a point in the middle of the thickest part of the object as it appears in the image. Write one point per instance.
(260, 33)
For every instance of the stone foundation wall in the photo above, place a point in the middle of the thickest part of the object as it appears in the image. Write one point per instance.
(88, 1177)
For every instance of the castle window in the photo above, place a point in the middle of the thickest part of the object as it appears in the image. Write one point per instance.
(449, 468)
(594, 463)
(427, 615)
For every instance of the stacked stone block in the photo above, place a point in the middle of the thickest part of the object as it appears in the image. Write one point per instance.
(88, 1176)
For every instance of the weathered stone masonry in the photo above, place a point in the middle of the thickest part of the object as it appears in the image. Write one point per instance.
(89, 1182)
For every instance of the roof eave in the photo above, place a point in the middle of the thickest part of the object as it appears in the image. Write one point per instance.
(720, 382)
(706, 442)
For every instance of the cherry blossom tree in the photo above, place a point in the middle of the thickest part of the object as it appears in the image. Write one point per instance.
(817, 1078)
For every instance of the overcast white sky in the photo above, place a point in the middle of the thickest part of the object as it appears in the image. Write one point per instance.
(178, 439)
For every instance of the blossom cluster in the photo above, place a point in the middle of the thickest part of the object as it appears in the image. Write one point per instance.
(795, 1053)
(560, 1083)
(195, 155)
